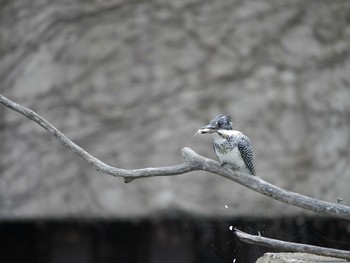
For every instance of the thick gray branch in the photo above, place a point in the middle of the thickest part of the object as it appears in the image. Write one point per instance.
(192, 162)
(290, 246)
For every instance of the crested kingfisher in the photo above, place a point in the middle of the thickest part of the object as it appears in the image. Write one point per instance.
(231, 147)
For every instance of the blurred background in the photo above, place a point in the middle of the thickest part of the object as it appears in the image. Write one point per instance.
(131, 82)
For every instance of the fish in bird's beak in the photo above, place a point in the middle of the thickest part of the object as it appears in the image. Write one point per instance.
(206, 129)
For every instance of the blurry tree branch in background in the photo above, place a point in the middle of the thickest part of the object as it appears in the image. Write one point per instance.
(192, 162)
(290, 246)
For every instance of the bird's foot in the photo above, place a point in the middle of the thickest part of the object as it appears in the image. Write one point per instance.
(223, 164)
(230, 166)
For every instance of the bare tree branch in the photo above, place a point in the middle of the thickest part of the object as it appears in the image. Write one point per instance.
(290, 246)
(192, 162)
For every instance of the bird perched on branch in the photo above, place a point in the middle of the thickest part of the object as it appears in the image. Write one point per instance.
(231, 147)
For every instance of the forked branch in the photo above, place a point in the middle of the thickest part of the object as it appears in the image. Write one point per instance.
(192, 162)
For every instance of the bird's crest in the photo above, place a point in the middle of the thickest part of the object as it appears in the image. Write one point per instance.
(224, 121)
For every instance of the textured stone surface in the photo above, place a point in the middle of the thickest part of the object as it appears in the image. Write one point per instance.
(296, 258)
(132, 81)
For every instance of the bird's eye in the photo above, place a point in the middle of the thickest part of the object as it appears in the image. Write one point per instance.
(219, 124)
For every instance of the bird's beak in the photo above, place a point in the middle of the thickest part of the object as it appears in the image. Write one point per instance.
(206, 129)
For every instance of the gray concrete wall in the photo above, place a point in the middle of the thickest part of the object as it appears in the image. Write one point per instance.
(132, 81)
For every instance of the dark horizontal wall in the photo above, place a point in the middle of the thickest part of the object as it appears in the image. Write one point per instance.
(187, 240)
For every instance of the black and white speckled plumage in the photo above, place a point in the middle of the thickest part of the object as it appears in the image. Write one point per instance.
(246, 150)
(231, 146)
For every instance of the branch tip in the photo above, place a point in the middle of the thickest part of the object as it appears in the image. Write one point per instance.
(188, 153)
(128, 180)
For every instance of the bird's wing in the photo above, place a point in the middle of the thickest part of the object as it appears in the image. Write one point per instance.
(246, 150)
